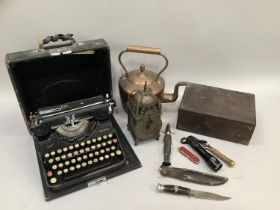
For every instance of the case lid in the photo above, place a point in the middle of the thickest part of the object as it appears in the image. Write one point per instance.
(56, 75)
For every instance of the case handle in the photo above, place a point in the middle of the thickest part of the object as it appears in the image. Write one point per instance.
(146, 50)
(55, 38)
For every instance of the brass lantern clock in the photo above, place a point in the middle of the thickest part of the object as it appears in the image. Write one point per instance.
(144, 115)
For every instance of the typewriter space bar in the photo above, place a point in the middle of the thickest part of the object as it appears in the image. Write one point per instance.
(97, 171)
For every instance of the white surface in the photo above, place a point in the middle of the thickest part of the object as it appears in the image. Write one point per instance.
(229, 44)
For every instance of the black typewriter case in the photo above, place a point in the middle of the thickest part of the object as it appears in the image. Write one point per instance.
(64, 78)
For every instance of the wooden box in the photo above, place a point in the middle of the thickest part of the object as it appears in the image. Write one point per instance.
(219, 113)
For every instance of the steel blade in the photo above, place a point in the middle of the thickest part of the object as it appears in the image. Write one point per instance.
(207, 195)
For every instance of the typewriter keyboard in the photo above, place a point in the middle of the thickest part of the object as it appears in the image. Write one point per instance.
(75, 160)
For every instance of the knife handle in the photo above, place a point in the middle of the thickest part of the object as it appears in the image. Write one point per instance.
(174, 189)
(220, 155)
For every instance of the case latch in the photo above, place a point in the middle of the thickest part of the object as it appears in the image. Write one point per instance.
(96, 181)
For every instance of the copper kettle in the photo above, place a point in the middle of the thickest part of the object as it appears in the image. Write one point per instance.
(135, 80)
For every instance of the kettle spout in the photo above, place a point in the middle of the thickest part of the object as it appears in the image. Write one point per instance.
(171, 97)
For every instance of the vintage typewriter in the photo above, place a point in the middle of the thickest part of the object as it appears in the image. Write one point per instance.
(65, 94)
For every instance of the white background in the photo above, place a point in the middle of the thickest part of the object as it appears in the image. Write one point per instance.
(230, 44)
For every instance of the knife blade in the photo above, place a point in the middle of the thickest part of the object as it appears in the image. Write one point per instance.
(190, 192)
(192, 176)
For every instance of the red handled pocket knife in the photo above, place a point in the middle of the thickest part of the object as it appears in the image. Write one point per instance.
(184, 151)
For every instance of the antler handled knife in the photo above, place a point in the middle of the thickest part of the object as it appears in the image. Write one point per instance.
(167, 146)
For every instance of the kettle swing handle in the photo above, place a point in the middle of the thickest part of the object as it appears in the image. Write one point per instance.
(146, 50)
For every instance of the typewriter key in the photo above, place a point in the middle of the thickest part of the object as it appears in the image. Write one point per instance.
(54, 167)
(101, 158)
(93, 140)
(67, 163)
(72, 168)
(59, 151)
(110, 135)
(82, 151)
(112, 154)
(82, 144)
(98, 145)
(63, 157)
(65, 149)
(73, 161)
(115, 140)
(90, 155)
(79, 159)
(76, 146)
(75, 152)
(60, 165)
(103, 144)
(93, 147)
(105, 137)
(95, 160)
(50, 161)
(102, 151)
(87, 149)
(118, 152)
(107, 149)
(88, 142)
(49, 173)
(106, 156)
(57, 159)
(85, 157)
(59, 173)
(65, 170)
(109, 142)
(47, 155)
(99, 138)
(69, 155)
(53, 180)
(96, 153)
(78, 166)
(84, 164)
(90, 162)
(52, 153)
(71, 147)
(113, 147)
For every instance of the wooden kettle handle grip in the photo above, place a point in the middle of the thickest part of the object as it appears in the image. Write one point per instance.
(141, 49)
